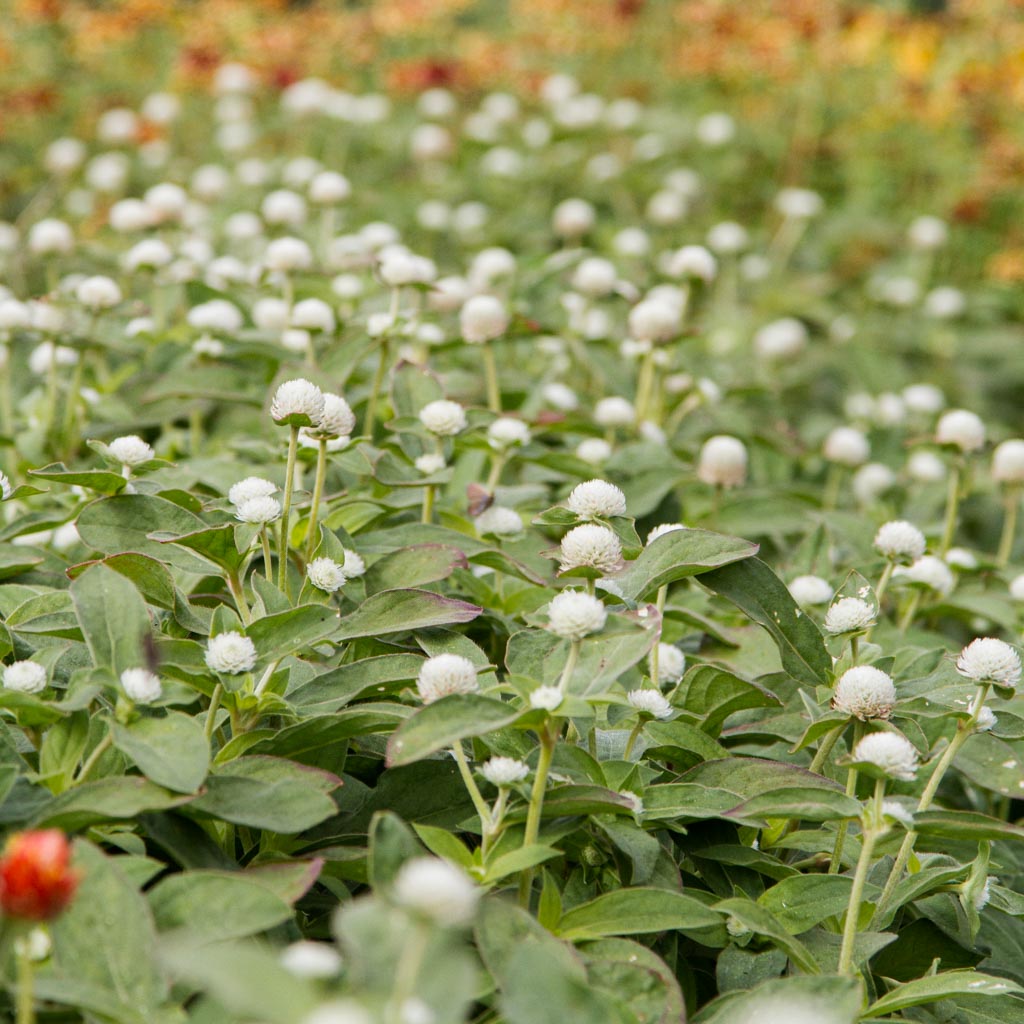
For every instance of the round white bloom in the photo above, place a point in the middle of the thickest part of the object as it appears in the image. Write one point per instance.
(654, 320)
(927, 232)
(313, 315)
(259, 509)
(613, 412)
(435, 889)
(962, 558)
(573, 218)
(500, 521)
(798, 203)
(14, 315)
(727, 238)
(445, 674)
(504, 771)
(692, 261)
(650, 702)
(889, 751)
(722, 461)
(591, 546)
(594, 450)
(271, 314)
(661, 529)
(128, 215)
(130, 450)
(250, 487)
(307, 959)
(671, 664)
(572, 614)
(49, 237)
(25, 677)
(287, 254)
(945, 303)
(930, 571)
(562, 397)
(715, 129)
(482, 319)
(339, 1011)
(117, 125)
(46, 355)
(243, 226)
(1008, 462)
(166, 201)
(354, 565)
(810, 590)
(846, 446)
(926, 467)
(329, 187)
(216, 315)
(507, 431)
(149, 254)
(924, 399)
(337, 419)
(849, 615)
(230, 653)
(899, 541)
(98, 293)
(871, 481)
(443, 418)
(595, 276)
(548, 698)
(864, 692)
(1017, 588)
(987, 720)
(325, 574)
(298, 403)
(283, 206)
(961, 428)
(781, 339)
(431, 463)
(210, 182)
(988, 660)
(107, 172)
(141, 685)
(894, 809)
(596, 498)
(64, 156)
(632, 242)
(666, 207)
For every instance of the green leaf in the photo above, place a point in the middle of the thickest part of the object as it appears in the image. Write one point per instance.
(802, 901)
(413, 567)
(965, 825)
(119, 798)
(364, 678)
(519, 860)
(113, 618)
(636, 912)
(171, 751)
(214, 543)
(824, 1000)
(442, 843)
(277, 636)
(636, 979)
(713, 694)
(103, 481)
(680, 742)
(760, 920)
(799, 802)
(62, 748)
(942, 986)
(391, 844)
(749, 777)
(400, 611)
(756, 590)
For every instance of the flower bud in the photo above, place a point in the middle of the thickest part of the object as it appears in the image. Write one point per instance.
(36, 880)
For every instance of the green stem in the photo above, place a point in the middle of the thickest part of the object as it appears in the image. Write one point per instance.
(570, 666)
(318, 493)
(71, 409)
(407, 971)
(827, 745)
(428, 504)
(869, 836)
(238, 593)
(540, 780)
(854, 649)
(1009, 527)
(494, 822)
(25, 995)
(474, 791)
(491, 374)
(378, 382)
(90, 763)
(289, 484)
(833, 481)
(644, 384)
(851, 790)
(637, 729)
(910, 611)
(497, 465)
(952, 506)
(655, 652)
(211, 714)
(268, 562)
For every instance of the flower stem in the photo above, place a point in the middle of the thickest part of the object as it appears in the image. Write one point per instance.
(473, 789)
(268, 563)
(497, 465)
(869, 836)
(407, 971)
(25, 994)
(637, 729)
(826, 746)
(851, 789)
(491, 373)
(378, 382)
(318, 493)
(238, 593)
(1009, 526)
(833, 481)
(570, 666)
(548, 738)
(289, 485)
(428, 504)
(952, 506)
(211, 714)
(90, 763)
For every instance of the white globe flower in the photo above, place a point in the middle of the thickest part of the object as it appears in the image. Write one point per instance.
(96, 293)
(849, 615)
(671, 664)
(130, 450)
(722, 461)
(693, 261)
(286, 255)
(846, 446)
(50, 237)
(260, 509)
(962, 558)
(889, 751)
(945, 303)
(899, 541)
(166, 201)
(217, 315)
(654, 320)
(327, 188)
(64, 156)
(781, 339)
(798, 203)
(715, 129)
(314, 960)
(1017, 588)
(482, 319)
(149, 254)
(810, 590)
(230, 653)
(313, 315)
(283, 207)
(573, 615)
(928, 233)
(595, 277)
(961, 428)
(1008, 462)
(504, 771)
(250, 487)
(506, 431)
(445, 674)
(923, 399)
(595, 450)
(25, 677)
(297, 403)
(141, 685)
(613, 412)
(929, 571)
(573, 218)
(443, 418)
(864, 692)
(547, 698)
(898, 812)
(987, 720)
(433, 888)
(591, 546)
(926, 467)
(596, 499)
(988, 660)
(326, 574)
(353, 566)
(337, 419)
(728, 238)
(650, 702)
(562, 397)
(871, 481)
(661, 529)
(499, 521)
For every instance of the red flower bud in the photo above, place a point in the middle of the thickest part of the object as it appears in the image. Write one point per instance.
(36, 880)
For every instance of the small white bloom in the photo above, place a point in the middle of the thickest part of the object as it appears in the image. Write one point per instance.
(945, 303)
(692, 261)
(923, 399)
(430, 463)
(781, 339)
(482, 319)
(98, 293)
(962, 558)
(961, 428)
(889, 751)
(927, 232)
(443, 417)
(654, 320)
(337, 419)
(894, 809)
(329, 187)
(141, 685)
(25, 677)
(298, 403)
(313, 315)
(926, 467)
(506, 431)
(354, 565)
(259, 509)
(595, 277)
(250, 487)
(435, 889)
(572, 614)
(986, 720)
(671, 664)
(846, 446)
(548, 698)
(661, 529)
(930, 571)
(562, 397)
(573, 218)
(988, 660)
(596, 498)
(614, 412)
(798, 203)
(722, 461)
(1008, 462)
(810, 590)
(728, 238)
(849, 615)
(591, 545)
(864, 692)
(650, 702)
(500, 521)
(504, 771)
(130, 450)
(50, 237)
(217, 315)
(325, 574)
(445, 674)
(230, 653)
(1017, 588)
(286, 255)
(311, 959)
(899, 541)
(339, 1011)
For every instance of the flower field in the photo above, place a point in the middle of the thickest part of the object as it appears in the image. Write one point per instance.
(508, 532)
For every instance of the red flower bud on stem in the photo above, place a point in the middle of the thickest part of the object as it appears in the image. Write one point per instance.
(36, 879)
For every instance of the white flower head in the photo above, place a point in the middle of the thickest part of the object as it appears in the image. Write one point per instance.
(504, 771)
(307, 959)
(811, 590)
(1008, 462)
(506, 432)
(722, 461)
(98, 293)
(298, 403)
(929, 571)
(483, 318)
(549, 698)
(230, 653)
(650, 702)
(597, 499)
(445, 674)
(500, 521)
(141, 685)
(849, 615)
(434, 889)
(897, 811)
(595, 450)
(671, 664)
(431, 463)
(661, 529)
(130, 450)
(260, 510)
(988, 660)
(6, 487)
(326, 574)
(899, 541)
(443, 417)
(1017, 588)
(864, 692)
(889, 751)
(962, 429)
(846, 446)
(25, 677)
(986, 720)
(591, 546)
(250, 487)
(338, 419)
(573, 614)
(354, 566)
(613, 412)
